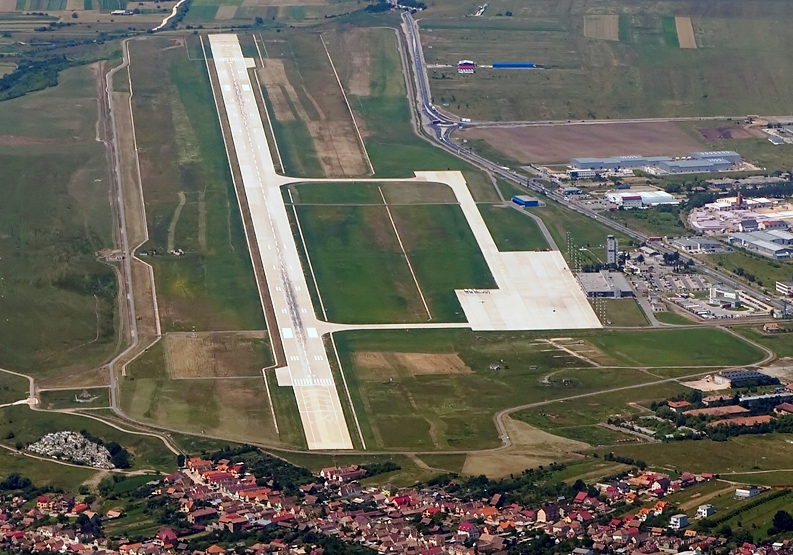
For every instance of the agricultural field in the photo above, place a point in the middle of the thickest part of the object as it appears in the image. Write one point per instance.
(191, 205)
(614, 60)
(58, 301)
(219, 12)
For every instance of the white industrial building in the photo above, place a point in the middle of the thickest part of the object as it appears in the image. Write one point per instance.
(718, 160)
(773, 243)
(642, 199)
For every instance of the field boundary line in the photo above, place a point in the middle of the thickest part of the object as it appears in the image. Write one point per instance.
(239, 203)
(270, 400)
(347, 391)
(349, 108)
(308, 256)
(404, 253)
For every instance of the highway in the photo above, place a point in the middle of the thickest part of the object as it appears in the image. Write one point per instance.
(439, 126)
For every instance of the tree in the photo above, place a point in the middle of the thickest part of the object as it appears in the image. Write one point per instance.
(782, 521)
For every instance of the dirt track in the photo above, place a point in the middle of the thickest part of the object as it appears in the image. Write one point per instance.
(559, 144)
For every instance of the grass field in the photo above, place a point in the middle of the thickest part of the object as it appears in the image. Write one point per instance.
(643, 74)
(397, 378)
(781, 344)
(766, 271)
(511, 230)
(650, 222)
(183, 164)
(12, 388)
(58, 302)
(670, 347)
(28, 426)
(672, 318)
(624, 312)
(234, 408)
(362, 272)
(43, 473)
(65, 399)
(739, 454)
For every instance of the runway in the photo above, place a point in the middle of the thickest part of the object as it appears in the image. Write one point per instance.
(308, 369)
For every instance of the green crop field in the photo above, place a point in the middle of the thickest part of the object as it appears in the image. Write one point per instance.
(190, 200)
(57, 301)
(644, 74)
(672, 318)
(435, 389)
(27, 426)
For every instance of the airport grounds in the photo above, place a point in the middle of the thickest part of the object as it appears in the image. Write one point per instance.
(424, 398)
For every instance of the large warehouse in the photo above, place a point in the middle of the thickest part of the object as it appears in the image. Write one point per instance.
(718, 160)
(641, 199)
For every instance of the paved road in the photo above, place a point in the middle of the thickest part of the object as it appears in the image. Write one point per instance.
(439, 126)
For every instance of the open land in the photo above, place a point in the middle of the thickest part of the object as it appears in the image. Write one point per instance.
(305, 97)
(398, 406)
(57, 300)
(548, 145)
(649, 72)
(190, 200)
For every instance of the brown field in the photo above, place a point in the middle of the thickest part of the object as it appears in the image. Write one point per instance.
(730, 133)
(379, 366)
(226, 12)
(267, 3)
(685, 32)
(327, 118)
(604, 27)
(214, 354)
(560, 143)
(8, 5)
(531, 447)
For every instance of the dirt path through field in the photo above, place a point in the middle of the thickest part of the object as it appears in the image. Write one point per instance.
(685, 32)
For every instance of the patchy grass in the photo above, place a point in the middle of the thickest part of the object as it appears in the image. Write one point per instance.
(212, 286)
(624, 313)
(513, 230)
(66, 399)
(58, 302)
